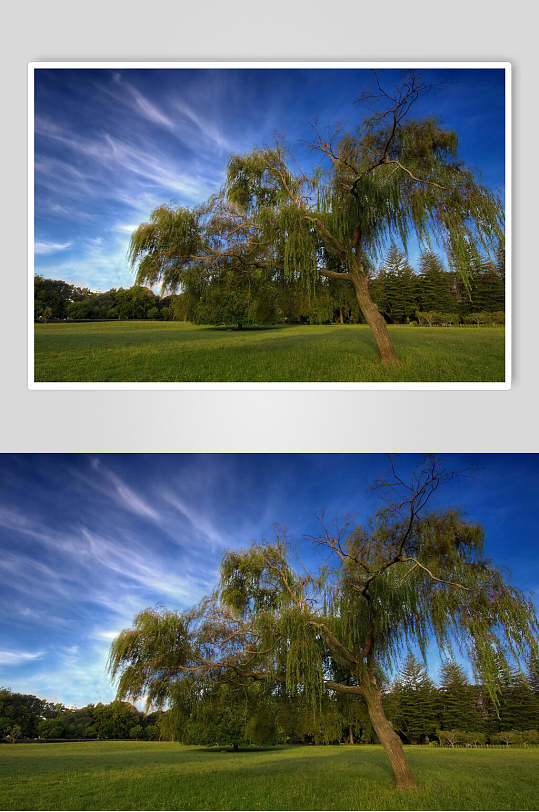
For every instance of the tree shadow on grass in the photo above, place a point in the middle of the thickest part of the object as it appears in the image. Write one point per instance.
(245, 749)
(223, 328)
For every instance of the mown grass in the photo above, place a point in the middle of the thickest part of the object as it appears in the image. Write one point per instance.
(165, 775)
(171, 351)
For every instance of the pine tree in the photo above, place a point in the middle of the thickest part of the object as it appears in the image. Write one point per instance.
(416, 702)
(435, 286)
(517, 703)
(459, 705)
(396, 288)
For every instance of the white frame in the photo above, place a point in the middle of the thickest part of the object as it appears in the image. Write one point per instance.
(426, 385)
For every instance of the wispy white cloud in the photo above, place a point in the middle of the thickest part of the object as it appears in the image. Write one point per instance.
(139, 103)
(18, 657)
(141, 159)
(205, 127)
(125, 495)
(133, 564)
(200, 522)
(51, 247)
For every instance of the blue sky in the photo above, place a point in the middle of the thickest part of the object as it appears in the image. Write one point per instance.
(111, 145)
(88, 541)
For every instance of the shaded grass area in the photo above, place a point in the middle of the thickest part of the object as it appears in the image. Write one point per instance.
(166, 775)
(179, 352)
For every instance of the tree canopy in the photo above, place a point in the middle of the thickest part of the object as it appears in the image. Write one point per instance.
(409, 576)
(389, 178)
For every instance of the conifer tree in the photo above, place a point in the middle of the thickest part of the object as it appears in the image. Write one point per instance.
(435, 290)
(458, 700)
(395, 289)
(415, 714)
(517, 703)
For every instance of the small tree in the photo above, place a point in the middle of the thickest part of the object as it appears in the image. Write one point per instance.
(408, 576)
(449, 738)
(508, 737)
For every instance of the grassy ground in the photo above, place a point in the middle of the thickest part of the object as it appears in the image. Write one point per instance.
(164, 775)
(171, 351)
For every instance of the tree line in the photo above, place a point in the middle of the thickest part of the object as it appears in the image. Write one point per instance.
(454, 712)
(428, 295)
(24, 716)
(56, 300)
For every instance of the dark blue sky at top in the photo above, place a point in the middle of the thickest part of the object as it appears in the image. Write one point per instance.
(111, 145)
(88, 541)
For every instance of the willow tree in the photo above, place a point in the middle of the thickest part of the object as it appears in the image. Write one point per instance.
(409, 576)
(390, 178)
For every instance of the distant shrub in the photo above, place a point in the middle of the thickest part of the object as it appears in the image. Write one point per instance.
(483, 319)
(530, 736)
(432, 318)
(507, 737)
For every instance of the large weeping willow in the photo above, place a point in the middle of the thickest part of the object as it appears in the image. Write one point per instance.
(391, 178)
(410, 576)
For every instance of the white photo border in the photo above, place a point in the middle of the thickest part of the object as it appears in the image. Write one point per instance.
(314, 385)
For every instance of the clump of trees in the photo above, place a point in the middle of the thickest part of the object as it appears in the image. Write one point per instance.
(409, 576)
(52, 298)
(24, 716)
(55, 300)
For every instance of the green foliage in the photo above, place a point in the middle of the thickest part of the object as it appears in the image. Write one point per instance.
(162, 247)
(236, 298)
(395, 289)
(149, 656)
(414, 711)
(435, 285)
(136, 302)
(459, 701)
(432, 318)
(53, 297)
(23, 711)
(37, 718)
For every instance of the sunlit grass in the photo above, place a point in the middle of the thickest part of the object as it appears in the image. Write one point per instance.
(164, 775)
(170, 351)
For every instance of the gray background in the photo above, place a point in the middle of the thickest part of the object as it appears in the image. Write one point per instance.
(212, 421)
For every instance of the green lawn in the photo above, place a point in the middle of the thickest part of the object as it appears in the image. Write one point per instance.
(171, 351)
(164, 775)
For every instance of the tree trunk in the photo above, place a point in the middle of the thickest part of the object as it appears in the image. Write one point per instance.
(389, 740)
(350, 735)
(341, 319)
(374, 319)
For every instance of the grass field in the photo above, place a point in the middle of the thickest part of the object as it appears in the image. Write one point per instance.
(164, 775)
(172, 351)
